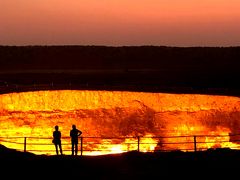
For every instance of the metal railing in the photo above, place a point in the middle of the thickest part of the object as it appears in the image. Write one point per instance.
(109, 145)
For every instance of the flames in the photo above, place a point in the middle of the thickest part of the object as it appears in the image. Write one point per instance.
(111, 121)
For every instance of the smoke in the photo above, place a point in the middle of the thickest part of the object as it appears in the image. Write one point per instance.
(229, 120)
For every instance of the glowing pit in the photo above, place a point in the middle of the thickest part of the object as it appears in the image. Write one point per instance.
(117, 114)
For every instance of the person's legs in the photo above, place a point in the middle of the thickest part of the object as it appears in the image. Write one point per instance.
(56, 146)
(60, 147)
(76, 148)
(72, 148)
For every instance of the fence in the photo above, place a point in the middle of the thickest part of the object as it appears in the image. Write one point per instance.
(109, 145)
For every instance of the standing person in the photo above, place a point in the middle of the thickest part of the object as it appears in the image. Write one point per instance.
(74, 133)
(57, 140)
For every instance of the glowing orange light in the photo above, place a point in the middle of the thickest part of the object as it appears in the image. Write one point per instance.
(155, 117)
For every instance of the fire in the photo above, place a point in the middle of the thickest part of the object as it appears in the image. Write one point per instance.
(116, 122)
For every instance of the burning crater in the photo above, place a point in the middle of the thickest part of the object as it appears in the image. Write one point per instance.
(156, 117)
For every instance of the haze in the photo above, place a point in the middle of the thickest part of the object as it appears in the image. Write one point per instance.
(120, 22)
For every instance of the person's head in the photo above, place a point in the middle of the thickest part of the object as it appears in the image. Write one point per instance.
(74, 126)
(56, 128)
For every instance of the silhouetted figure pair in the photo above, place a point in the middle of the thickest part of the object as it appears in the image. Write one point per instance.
(57, 140)
(74, 134)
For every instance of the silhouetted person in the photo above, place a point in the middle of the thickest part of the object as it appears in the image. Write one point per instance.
(57, 140)
(74, 134)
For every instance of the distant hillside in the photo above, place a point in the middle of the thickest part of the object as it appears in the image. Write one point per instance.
(101, 57)
(211, 67)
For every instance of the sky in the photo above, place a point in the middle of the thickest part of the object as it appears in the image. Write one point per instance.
(120, 22)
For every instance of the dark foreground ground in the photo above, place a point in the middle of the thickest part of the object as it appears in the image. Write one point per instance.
(216, 164)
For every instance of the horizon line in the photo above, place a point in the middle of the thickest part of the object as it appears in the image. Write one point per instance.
(117, 46)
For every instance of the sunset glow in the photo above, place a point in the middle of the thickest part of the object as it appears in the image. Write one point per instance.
(120, 22)
(111, 121)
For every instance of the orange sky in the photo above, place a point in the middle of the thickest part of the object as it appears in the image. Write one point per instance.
(120, 22)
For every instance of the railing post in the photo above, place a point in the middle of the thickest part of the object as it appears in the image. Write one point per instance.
(81, 138)
(25, 144)
(195, 144)
(138, 138)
